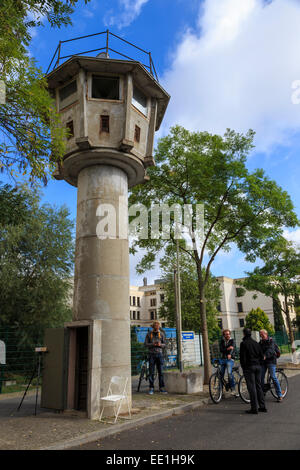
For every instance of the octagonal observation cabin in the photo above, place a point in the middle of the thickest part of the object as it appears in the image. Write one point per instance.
(110, 106)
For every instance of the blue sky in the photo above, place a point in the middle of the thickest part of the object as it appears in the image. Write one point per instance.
(227, 63)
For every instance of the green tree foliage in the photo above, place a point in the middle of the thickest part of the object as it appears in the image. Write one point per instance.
(279, 276)
(258, 320)
(191, 320)
(240, 207)
(31, 138)
(36, 263)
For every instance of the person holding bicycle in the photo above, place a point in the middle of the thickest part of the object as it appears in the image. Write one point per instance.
(155, 342)
(268, 348)
(228, 351)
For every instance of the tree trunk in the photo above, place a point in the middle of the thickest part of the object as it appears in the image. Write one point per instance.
(204, 331)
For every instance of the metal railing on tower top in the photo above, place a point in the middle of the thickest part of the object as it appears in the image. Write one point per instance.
(108, 36)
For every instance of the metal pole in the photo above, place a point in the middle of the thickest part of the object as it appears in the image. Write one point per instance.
(37, 385)
(179, 309)
(176, 311)
(107, 39)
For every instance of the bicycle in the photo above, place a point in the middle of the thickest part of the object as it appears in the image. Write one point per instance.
(145, 372)
(217, 383)
(269, 385)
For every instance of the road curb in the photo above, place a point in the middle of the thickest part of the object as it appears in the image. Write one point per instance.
(115, 429)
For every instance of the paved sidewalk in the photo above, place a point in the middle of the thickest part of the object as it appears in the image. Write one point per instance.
(49, 430)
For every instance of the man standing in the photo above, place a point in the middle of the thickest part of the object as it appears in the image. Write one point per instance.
(251, 358)
(268, 348)
(155, 342)
(228, 350)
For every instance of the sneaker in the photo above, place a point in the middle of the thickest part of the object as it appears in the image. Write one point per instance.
(162, 390)
(263, 410)
(279, 399)
(251, 412)
(235, 394)
(151, 391)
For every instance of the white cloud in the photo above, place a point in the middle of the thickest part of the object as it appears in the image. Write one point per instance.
(129, 11)
(237, 69)
(293, 236)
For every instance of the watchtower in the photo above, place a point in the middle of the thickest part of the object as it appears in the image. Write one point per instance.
(111, 108)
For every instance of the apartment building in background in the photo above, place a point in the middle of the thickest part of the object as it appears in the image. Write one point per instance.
(234, 307)
(145, 302)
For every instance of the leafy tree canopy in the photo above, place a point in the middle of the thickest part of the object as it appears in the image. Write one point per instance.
(240, 207)
(258, 320)
(36, 264)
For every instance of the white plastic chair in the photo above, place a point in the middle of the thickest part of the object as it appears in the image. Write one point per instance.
(116, 395)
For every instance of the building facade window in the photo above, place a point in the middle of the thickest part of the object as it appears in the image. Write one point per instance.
(153, 302)
(162, 297)
(138, 315)
(240, 307)
(242, 322)
(138, 301)
(151, 315)
(133, 315)
(219, 307)
(220, 323)
(133, 300)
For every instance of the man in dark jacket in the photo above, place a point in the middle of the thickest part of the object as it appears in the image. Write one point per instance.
(228, 351)
(268, 348)
(155, 342)
(251, 358)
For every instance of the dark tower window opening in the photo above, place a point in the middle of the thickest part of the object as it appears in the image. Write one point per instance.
(137, 134)
(70, 129)
(67, 90)
(105, 88)
(104, 124)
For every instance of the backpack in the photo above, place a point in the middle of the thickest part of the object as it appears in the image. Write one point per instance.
(276, 348)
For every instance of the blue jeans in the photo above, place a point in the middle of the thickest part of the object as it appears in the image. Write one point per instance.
(158, 361)
(272, 370)
(228, 364)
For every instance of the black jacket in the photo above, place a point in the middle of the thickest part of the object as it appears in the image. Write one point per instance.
(152, 338)
(268, 349)
(224, 351)
(250, 353)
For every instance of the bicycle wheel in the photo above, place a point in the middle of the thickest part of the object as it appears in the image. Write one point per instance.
(215, 388)
(283, 382)
(243, 390)
(142, 374)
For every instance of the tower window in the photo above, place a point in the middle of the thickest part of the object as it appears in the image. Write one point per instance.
(240, 307)
(105, 88)
(104, 123)
(139, 100)
(67, 90)
(70, 129)
(137, 134)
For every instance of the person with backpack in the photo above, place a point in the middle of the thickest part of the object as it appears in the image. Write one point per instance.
(155, 342)
(271, 352)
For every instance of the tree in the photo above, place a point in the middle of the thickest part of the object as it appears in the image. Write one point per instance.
(279, 276)
(189, 300)
(258, 320)
(239, 207)
(32, 139)
(36, 264)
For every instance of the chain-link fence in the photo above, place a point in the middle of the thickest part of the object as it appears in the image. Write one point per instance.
(17, 359)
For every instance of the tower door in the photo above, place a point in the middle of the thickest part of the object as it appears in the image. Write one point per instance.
(81, 377)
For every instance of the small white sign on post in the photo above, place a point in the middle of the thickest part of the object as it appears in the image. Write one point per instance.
(2, 352)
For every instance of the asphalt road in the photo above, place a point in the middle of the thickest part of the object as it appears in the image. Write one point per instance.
(224, 427)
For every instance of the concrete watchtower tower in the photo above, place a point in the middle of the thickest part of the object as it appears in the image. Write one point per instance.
(111, 108)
